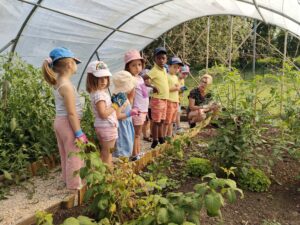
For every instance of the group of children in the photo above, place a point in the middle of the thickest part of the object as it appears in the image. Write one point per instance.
(138, 96)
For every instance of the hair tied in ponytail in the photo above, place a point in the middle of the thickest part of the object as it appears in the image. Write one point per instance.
(50, 62)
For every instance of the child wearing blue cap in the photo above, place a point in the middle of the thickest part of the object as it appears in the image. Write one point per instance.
(172, 102)
(57, 71)
(185, 71)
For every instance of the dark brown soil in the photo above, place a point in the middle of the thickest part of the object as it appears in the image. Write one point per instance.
(281, 203)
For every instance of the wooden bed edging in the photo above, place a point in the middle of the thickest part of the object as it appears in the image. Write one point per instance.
(70, 201)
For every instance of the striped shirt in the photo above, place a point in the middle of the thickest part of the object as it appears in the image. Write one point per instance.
(111, 121)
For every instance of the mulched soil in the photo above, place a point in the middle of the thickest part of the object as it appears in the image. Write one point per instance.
(281, 203)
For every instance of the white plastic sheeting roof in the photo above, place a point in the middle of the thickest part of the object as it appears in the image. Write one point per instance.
(108, 28)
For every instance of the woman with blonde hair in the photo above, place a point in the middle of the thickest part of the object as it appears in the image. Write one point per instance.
(200, 101)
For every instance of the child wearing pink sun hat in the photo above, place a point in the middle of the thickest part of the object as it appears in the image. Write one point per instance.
(134, 64)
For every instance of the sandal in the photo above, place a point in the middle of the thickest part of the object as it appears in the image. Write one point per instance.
(149, 139)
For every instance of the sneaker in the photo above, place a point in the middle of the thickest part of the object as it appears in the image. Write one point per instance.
(154, 144)
(134, 158)
(149, 139)
(179, 130)
(161, 140)
(192, 125)
(137, 157)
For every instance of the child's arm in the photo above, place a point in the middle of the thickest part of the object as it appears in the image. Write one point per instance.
(67, 92)
(121, 115)
(147, 81)
(175, 88)
(102, 110)
(119, 111)
(131, 95)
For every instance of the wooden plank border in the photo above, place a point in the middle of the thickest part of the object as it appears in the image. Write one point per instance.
(70, 201)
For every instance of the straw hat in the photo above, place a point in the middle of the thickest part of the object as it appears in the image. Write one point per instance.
(123, 81)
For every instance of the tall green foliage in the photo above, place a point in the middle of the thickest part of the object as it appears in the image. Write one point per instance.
(27, 112)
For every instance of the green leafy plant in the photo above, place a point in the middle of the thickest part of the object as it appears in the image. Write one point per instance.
(199, 166)
(117, 194)
(253, 180)
(270, 222)
(27, 112)
(175, 208)
(184, 208)
(123, 197)
(87, 121)
(43, 218)
(229, 171)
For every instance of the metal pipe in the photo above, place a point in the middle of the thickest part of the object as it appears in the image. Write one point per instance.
(111, 33)
(24, 25)
(85, 20)
(7, 45)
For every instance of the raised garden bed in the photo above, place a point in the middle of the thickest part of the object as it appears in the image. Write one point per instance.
(279, 205)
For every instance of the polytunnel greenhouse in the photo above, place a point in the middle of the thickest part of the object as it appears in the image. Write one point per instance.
(179, 112)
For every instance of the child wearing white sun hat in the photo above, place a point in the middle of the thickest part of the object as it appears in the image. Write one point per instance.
(124, 83)
(106, 123)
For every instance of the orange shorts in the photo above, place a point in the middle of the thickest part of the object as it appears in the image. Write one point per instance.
(172, 108)
(158, 109)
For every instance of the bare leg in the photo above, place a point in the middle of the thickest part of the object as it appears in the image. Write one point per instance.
(155, 128)
(137, 136)
(146, 128)
(169, 130)
(178, 119)
(161, 130)
(106, 155)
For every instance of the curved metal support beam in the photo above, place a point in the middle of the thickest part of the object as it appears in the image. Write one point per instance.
(24, 25)
(111, 33)
(258, 10)
(85, 20)
(272, 10)
(7, 45)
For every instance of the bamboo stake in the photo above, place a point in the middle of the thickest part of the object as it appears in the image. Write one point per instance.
(231, 40)
(183, 41)
(207, 43)
(254, 47)
(282, 78)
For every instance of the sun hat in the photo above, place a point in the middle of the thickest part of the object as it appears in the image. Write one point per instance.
(123, 81)
(132, 55)
(175, 60)
(98, 69)
(160, 50)
(185, 69)
(62, 52)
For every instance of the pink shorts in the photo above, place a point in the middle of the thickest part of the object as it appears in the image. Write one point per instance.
(139, 119)
(106, 133)
(158, 109)
(172, 108)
